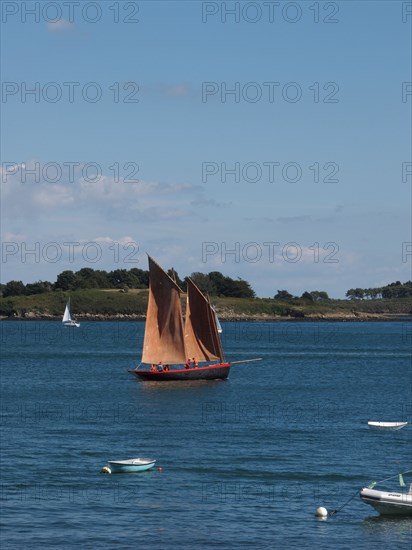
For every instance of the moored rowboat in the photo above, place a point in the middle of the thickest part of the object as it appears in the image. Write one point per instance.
(387, 425)
(131, 465)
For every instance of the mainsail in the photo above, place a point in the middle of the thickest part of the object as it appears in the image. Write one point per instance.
(201, 334)
(165, 338)
(164, 334)
(67, 316)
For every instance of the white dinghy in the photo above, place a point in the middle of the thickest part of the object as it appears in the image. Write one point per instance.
(131, 465)
(387, 425)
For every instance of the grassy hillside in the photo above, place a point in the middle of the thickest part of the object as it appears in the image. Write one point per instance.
(94, 302)
(300, 308)
(83, 302)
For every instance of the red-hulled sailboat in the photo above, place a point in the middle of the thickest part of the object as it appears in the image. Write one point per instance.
(177, 350)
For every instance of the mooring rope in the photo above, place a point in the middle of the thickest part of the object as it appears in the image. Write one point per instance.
(343, 505)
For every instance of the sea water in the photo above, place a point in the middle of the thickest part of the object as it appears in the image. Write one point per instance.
(242, 463)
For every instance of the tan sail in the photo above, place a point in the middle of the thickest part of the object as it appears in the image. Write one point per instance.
(164, 333)
(201, 336)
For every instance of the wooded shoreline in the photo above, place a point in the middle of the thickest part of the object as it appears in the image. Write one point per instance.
(115, 305)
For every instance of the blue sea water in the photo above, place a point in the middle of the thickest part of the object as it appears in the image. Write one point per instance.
(244, 462)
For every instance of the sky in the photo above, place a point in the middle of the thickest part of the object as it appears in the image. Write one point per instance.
(269, 141)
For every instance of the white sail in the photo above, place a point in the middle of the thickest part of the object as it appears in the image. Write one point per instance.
(218, 325)
(67, 317)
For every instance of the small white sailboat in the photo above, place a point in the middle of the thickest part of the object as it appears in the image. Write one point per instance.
(387, 425)
(67, 318)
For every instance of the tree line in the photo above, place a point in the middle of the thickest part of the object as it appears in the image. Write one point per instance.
(393, 290)
(313, 296)
(390, 291)
(214, 283)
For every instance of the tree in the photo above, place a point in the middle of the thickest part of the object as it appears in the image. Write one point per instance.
(355, 293)
(397, 290)
(204, 283)
(39, 287)
(283, 295)
(307, 296)
(219, 283)
(228, 287)
(319, 295)
(142, 277)
(14, 288)
(372, 293)
(121, 277)
(90, 278)
(66, 280)
(240, 289)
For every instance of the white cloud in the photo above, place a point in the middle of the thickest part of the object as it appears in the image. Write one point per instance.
(13, 237)
(109, 240)
(27, 194)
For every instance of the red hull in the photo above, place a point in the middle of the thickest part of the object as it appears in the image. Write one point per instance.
(210, 372)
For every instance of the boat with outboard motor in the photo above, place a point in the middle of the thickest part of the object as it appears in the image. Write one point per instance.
(392, 503)
(388, 503)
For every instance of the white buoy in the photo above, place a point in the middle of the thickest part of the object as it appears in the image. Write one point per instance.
(105, 470)
(321, 512)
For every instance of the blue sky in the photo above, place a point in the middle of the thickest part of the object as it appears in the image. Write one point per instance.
(130, 157)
